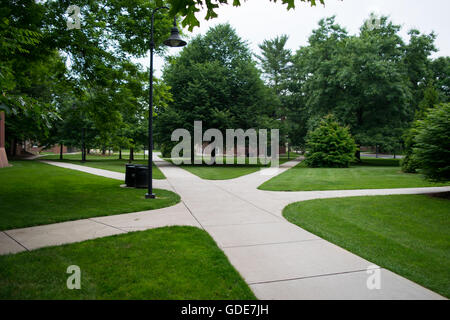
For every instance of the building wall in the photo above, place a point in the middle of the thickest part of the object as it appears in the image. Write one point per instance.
(28, 147)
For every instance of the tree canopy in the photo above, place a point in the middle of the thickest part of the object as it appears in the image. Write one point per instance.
(371, 82)
(64, 85)
(51, 75)
(214, 80)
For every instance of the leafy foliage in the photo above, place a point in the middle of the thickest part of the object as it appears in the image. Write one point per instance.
(431, 98)
(440, 71)
(432, 149)
(330, 145)
(275, 62)
(109, 93)
(214, 79)
(24, 93)
(13, 40)
(55, 81)
(372, 81)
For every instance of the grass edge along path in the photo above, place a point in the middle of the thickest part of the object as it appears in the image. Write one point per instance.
(111, 163)
(34, 193)
(371, 174)
(229, 171)
(162, 263)
(407, 234)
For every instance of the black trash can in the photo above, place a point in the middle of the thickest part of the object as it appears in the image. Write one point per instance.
(130, 175)
(141, 176)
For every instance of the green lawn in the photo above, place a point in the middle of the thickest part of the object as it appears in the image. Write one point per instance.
(407, 234)
(111, 163)
(221, 172)
(93, 156)
(229, 171)
(165, 263)
(34, 193)
(371, 174)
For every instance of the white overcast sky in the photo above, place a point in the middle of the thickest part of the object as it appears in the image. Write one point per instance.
(257, 20)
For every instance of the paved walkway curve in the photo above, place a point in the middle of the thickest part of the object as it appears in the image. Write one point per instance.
(277, 259)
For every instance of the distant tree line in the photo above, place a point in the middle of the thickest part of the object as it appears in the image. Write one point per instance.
(373, 82)
(81, 88)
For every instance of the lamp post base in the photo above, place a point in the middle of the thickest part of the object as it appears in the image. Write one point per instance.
(150, 196)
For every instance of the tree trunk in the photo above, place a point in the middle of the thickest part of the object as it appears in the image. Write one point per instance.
(120, 153)
(213, 155)
(61, 146)
(3, 155)
(103, 151)
(358, 153)
(131, 155)
(13, 147)
(83, 145)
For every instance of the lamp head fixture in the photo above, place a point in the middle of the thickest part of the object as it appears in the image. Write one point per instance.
(174, 39)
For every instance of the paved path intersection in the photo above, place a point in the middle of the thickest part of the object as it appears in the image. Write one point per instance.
(276, 258)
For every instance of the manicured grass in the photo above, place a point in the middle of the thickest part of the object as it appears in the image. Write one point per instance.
(379, 162)
(229, 171)
(165, 263)
(34, 193)
(407, 234)
(371, 174)
(221, 172)
(111, 163)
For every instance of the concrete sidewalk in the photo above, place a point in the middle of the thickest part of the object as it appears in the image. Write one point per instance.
(157, 183)
(276, 258)
(17, 240)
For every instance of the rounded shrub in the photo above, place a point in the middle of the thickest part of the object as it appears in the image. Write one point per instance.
(409, 162)
(330, 145)
(432, 143)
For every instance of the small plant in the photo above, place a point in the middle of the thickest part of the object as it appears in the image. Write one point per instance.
(330, 145)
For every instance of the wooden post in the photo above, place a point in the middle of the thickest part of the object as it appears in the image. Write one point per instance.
(3, 157)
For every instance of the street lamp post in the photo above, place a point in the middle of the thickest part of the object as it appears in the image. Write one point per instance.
(173, 41)
(83, 145)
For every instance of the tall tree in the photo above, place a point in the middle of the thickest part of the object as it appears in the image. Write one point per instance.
(214, 79)
(365, 80)
(25, 84)
(110, 33)
(417, 61)
(311, 89)
(440, 75)
(275, 62)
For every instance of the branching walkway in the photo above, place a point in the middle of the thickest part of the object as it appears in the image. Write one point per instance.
(276, 258)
